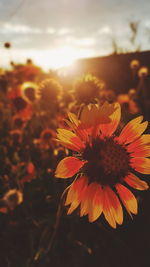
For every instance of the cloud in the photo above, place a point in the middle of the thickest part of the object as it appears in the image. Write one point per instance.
(64, 31)
(104, 30)
(8, 28)
(88, 26)
(80, 42)
(50, 30)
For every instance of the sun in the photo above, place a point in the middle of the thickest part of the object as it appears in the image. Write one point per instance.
(59, 57)
(62, 57)
(51, 58)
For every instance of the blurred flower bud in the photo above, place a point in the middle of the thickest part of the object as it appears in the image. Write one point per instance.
(13, 198)
(7, 45)
(134, 64)
(143, 72)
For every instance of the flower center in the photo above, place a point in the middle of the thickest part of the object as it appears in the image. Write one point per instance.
(47, 136)
(108, 161)
(18, 122)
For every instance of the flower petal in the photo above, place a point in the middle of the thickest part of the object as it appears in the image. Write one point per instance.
(108, 210)
(110, 128)
(79, 128)
(73, 119)
(135, 182)
(70, 140)
(112, 208)
(95, 201)
(92, 202)
(75, 193)
(132, 130)
(142, 140)
(142, 151)
(90, 119)
(68, 167)
(141, 165)
(76, 189)
(84, 208)
(128, 199)
(94, 115)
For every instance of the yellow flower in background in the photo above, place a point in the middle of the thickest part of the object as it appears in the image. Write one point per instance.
(143, 72)
(50, 91)
(134, 64)
(46, 139)
(123, 98)
(13, 198)
(29, 91)
(104, 162)
(87, 88)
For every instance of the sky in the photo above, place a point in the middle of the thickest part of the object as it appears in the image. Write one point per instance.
(54, 33)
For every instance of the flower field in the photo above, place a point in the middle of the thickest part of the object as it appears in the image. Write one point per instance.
(74, 169)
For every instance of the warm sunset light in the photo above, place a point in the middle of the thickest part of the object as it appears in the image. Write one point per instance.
(74, 133)
(60, 57)
(78, 33)
(53, 58)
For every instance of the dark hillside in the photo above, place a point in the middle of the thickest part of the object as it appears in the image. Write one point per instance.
(113, 69)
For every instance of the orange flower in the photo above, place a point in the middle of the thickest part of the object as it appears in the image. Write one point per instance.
(14, 92)
(47, 138)
(29, 91)
(30, 174)
(18, 122)
(13, 198)
(123, 98)
(22, 107)
(50, 91)
(87, 89)
(104, 162)
(143, 72)
(134, 64)
(27, 72)
(26, 113)
(19, 103)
